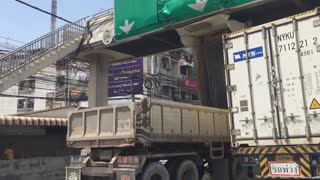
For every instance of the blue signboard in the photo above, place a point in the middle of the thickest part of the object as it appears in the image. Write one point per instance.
(252, 53)
(121, 76)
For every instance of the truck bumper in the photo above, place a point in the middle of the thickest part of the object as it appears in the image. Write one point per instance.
(285, 162)
(75, 173)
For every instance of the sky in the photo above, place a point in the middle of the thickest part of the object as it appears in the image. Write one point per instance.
(22, 23)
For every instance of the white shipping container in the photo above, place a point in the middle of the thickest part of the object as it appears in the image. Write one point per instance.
(273, 82)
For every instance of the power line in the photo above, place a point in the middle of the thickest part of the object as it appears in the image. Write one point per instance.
(34, 97)
(46, 12)
(7, 44)
(81, 83)
(12, 39)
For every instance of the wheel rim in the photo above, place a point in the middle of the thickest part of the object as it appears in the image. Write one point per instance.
(155, 177)
(188, 175)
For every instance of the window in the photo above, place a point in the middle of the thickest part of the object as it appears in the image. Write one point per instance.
(183, 95)
(194, 97)
(26, 103)
(165, 63)
(60, 82)
(61, 63)
(27, 86)
(186, 70)
(183, 70)
(165, 90)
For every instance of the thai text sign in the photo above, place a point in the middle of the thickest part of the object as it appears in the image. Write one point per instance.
(121, 76)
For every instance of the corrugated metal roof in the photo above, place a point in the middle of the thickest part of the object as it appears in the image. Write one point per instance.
(32, 121)
(49, 113)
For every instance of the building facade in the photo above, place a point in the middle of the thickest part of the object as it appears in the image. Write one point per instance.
(173, 77)
(168, 75)
(29, 95)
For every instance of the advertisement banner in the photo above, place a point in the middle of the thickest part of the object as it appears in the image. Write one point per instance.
(190, 85)
(78, 84)
(121, 76)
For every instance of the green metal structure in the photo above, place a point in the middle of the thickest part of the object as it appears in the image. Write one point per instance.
(139, 17)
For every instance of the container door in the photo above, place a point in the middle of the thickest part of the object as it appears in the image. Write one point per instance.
(298, 69)
(250, 93)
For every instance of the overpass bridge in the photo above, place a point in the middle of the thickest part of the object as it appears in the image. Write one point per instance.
(93, 39)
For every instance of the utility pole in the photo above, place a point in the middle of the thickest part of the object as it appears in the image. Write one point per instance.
(54, 12)
(132, 88)
(67, 92)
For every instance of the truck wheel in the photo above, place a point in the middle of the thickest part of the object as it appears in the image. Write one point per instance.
(187, 170)
(155, 171)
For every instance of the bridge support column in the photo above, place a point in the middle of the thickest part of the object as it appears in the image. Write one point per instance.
(209, 62)
(98, 81)
(199, 54)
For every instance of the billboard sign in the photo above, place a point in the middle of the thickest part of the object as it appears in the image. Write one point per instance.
(78, 84)
(190, 85)
(121, 76)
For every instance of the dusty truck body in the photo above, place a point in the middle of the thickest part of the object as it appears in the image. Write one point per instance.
(129, 141)
(272, 74)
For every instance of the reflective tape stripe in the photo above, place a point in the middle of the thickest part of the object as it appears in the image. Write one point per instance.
(291, 150)
(264, 172)
(305, 172)
(280, 150)
(257, 151)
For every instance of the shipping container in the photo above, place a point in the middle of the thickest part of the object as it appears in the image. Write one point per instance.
(273, 81)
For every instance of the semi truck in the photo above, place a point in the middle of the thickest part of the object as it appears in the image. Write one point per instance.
(271, 128)
(272, 77)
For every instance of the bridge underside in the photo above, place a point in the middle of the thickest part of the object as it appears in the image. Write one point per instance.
(169, 39)
(202, 34)
(205, 33)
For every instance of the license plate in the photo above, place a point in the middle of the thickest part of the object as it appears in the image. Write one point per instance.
(285, 169)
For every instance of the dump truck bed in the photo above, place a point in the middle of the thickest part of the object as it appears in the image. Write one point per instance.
(149, 120)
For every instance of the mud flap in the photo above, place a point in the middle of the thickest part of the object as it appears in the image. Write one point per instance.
(73, 173)
(126, 174)
(221, 169)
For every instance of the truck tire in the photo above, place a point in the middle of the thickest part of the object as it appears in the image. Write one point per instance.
(187, 170)
(155, 171)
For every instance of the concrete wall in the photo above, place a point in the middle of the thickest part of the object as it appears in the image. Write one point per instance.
(51, 168)
(43, 88)
(8, 105)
